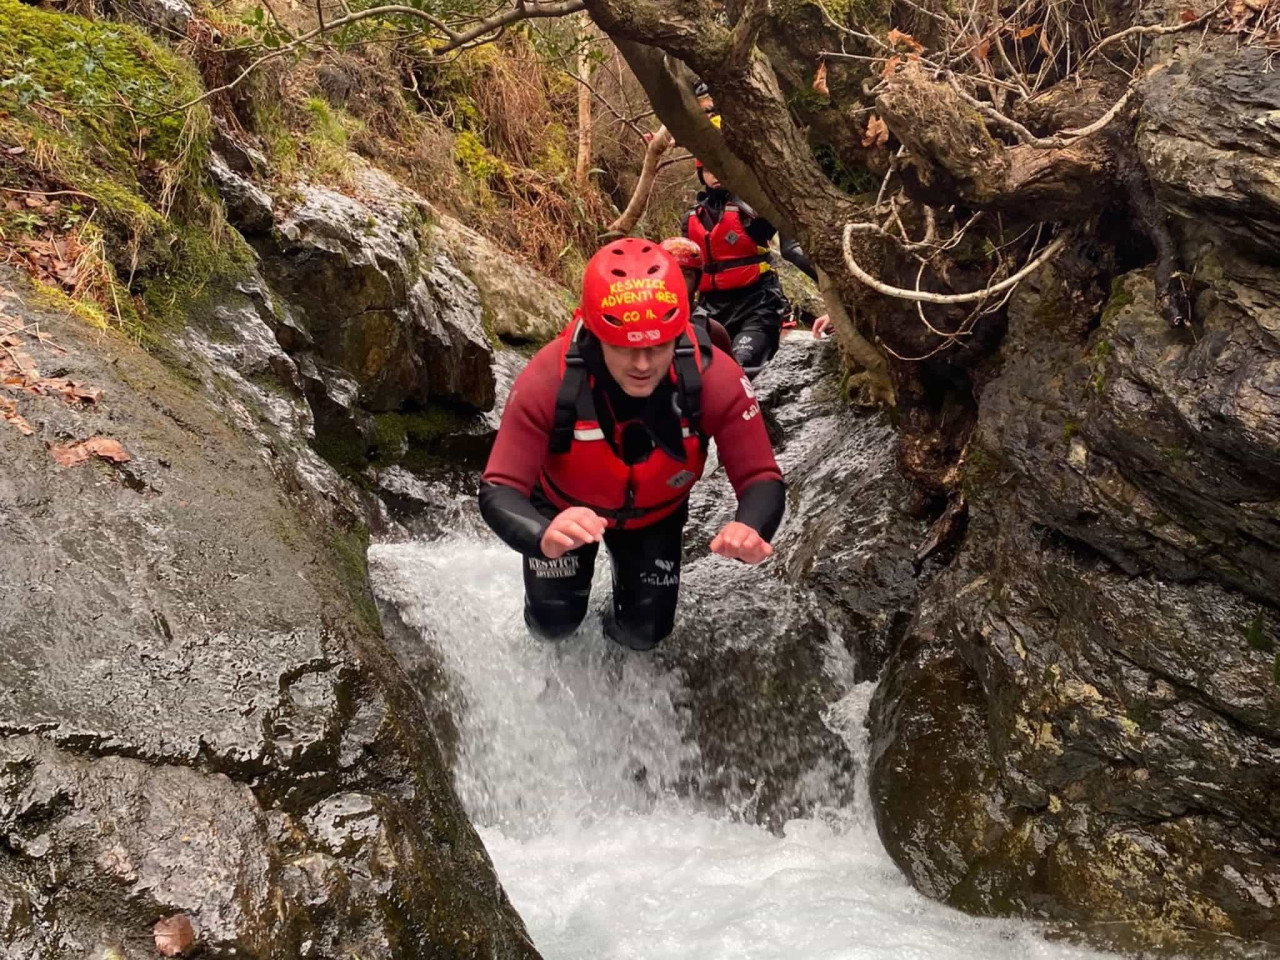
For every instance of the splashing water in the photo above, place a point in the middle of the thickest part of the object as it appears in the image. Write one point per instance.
(565, 755)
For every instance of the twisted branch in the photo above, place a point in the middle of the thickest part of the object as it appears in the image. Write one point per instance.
(1047, 254)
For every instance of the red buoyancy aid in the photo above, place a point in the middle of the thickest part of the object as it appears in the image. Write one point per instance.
(581, 469)
(733, 259)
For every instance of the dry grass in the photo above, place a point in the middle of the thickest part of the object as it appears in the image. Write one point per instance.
(486, 137)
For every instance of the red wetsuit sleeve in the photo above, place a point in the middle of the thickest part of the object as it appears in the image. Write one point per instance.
(520, 448)
(518, 454)
(731, 415)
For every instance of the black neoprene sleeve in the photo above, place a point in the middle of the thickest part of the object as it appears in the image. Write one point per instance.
(513, 517)
(761, 506)
(792, 251)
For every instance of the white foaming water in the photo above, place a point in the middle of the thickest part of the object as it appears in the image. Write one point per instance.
(564, 751)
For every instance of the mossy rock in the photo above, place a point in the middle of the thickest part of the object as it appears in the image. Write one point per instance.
(93, 108)
(96, 101)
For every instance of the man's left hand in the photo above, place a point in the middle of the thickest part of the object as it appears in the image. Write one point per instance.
(737, 541)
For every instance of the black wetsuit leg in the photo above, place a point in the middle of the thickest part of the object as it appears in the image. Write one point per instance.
(556, 591)
(753, 317)
(646, 581)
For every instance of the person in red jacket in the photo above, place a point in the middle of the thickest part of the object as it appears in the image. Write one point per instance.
(604, 434)
(739, 287)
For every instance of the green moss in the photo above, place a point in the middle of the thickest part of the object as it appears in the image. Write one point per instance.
(1098, 357)
(1257, 637)
(329, 133)
(346, 451)
(54, 299)
(1069, 429)
(1275, 670)
(412, 438)
(208, 258)
(806, 100)
(112, 90)
(92, 106)
(1119, 299)
(553, 157)
(478, 165)
(351, 548)
(981, 469)
(323, 123)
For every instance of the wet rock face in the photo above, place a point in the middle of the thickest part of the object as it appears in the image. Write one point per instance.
(199, 716)
(1209, 137)
(401, 321)
(249, 209)
(1110, 746)
(766, 653)
(520, 304)
(1107, 645)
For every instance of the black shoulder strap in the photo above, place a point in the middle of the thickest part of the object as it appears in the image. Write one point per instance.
(572, 386)
(689, 375)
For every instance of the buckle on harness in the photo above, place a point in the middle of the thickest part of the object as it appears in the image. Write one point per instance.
(572, 355)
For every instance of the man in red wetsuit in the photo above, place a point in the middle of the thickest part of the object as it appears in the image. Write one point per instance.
(603, 436)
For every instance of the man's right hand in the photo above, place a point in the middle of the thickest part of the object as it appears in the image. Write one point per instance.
(572, 528)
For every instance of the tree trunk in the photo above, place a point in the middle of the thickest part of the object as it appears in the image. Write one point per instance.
(583, 167)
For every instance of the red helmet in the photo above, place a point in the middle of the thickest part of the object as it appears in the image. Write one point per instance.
(633, 294)
(687, 253)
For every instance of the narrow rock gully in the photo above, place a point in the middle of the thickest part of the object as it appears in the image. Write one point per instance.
(706, 801)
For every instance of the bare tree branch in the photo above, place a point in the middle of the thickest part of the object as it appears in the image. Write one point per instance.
(662, 142)
(483, 32)
(523, 10)
(921, 296)
(582, 168)
(743, 36)
(863, 352)
(1064, 139)
(1156, 30)
(630, 122)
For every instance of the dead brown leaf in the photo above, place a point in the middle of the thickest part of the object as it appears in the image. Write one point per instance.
(74, 454)
(1187, 16)
(877, 134)
(9, 414)
(820, 79)
(174, 935)
(108, 449)
(891, 65)
(21, 363)
(897, 37)
(1044, 45)
(79, 393)
(1028, 31)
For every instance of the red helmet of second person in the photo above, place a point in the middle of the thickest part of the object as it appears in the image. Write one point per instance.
(687, 253)
(633, 294)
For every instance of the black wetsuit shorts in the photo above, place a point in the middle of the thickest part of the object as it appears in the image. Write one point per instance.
(646, 585)
(753, 316)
